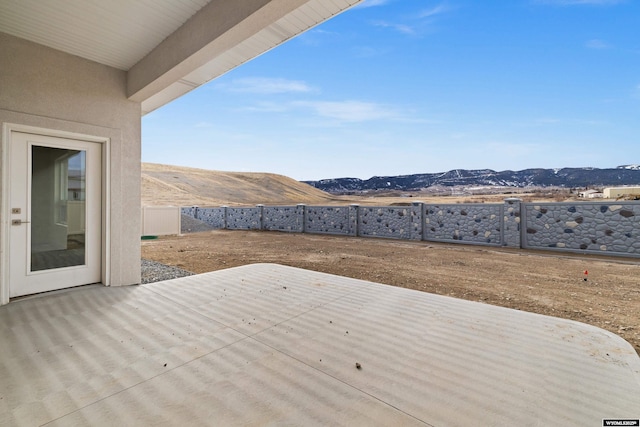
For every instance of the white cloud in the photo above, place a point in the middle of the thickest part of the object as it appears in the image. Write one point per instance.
(350, 111)
(267, 107)
(318, 36)
(268, 86)
(436, 10)
(597, 44)
(372, 3)
(417, 23)
(401, 28)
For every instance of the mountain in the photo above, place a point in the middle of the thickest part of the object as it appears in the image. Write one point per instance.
(630, 167)
(182, 186)
(565, 177)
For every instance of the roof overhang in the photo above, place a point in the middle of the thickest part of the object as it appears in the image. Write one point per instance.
(168, 48)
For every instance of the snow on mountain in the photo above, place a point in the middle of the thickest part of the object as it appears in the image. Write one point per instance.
(559, 177)
(629, 167)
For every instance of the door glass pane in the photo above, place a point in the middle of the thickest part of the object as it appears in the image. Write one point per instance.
(58, 218)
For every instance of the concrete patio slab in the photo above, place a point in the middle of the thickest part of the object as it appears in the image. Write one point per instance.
(271, 345)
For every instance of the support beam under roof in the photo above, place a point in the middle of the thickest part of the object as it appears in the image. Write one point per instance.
(220, 37)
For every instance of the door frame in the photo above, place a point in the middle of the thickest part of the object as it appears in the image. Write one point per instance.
(5, 209)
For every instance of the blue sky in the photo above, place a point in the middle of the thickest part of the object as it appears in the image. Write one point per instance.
(396, 87)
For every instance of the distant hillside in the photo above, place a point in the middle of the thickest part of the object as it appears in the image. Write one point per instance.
(565, 177)
(175, 185)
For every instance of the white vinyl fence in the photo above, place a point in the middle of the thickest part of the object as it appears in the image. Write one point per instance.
(160, 220)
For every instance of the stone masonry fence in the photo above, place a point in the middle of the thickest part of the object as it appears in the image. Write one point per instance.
(584, 227)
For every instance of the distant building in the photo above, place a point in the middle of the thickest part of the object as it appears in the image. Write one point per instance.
(590, 194)
(615, 192)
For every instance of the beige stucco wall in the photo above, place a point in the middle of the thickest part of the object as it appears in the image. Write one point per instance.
(49, 89)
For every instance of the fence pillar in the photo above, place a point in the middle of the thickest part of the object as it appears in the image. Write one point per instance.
(354, 220)
(511, 222)
(224, 217)
(301, 211)
(417, 220)
(260, 217)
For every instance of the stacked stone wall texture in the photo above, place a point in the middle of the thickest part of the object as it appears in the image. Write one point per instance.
(512, 223)
(587, 227)
(244, 218)
(283, 218)
(593, 227)
(417, 215)
(390, 222)
(215, 217)
(464, 223)
(328, 220)
(189, 210)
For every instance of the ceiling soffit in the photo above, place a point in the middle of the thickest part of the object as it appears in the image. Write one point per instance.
(167, 47)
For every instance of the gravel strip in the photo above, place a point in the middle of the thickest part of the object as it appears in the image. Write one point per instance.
(153, 271)
(191, 225)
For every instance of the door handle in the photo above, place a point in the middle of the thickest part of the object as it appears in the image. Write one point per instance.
(19, 222)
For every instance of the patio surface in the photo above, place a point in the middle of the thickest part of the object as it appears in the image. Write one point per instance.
(266, 344)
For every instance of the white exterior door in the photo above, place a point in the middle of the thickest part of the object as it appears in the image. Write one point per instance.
(55, 213)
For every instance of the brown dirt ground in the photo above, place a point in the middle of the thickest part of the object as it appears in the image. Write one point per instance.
(540, 282)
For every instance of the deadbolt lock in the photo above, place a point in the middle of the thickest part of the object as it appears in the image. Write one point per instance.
(16, 210)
